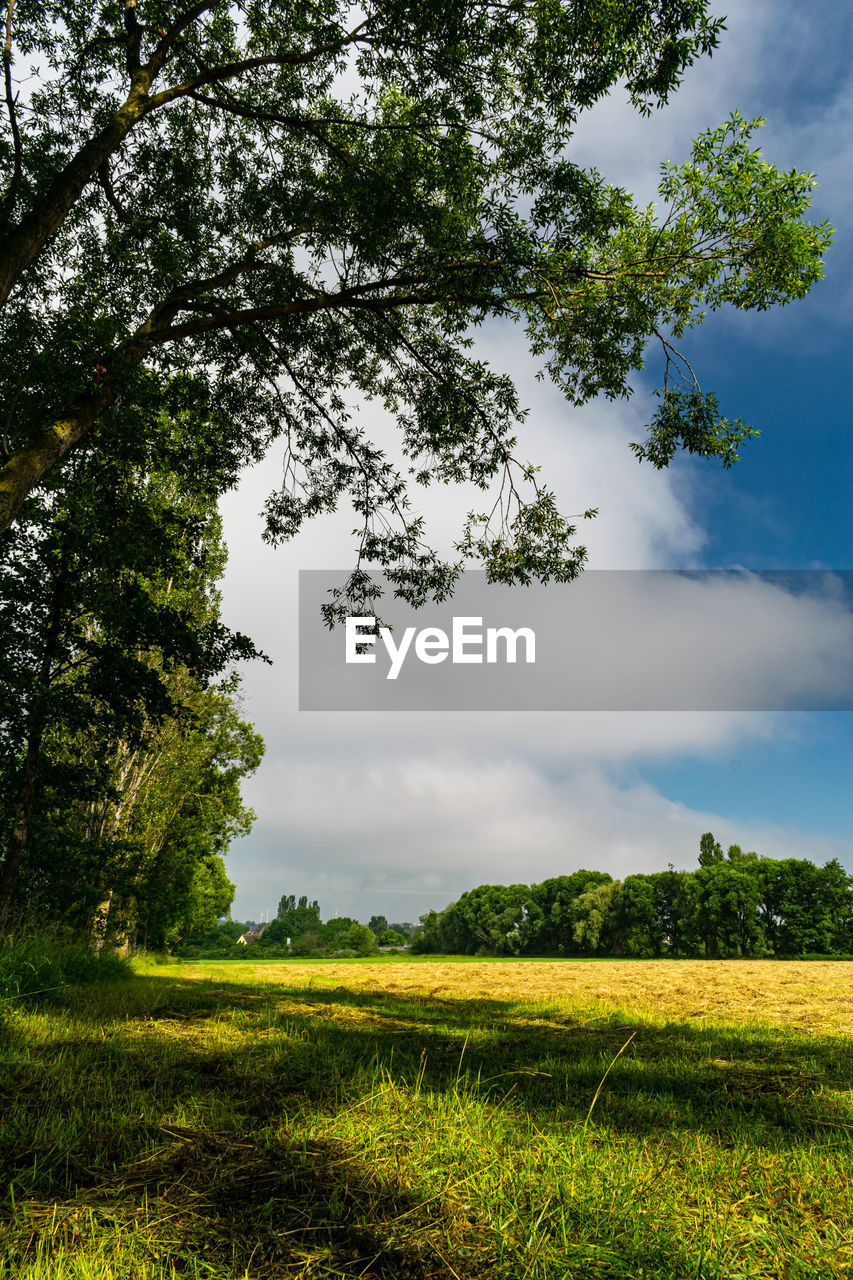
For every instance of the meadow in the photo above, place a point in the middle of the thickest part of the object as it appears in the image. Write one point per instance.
(432, 1120)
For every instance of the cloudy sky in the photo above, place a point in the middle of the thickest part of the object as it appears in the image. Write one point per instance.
(398, 812)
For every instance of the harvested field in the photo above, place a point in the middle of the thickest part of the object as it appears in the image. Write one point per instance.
(809, 995)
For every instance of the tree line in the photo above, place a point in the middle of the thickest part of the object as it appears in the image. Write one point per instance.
(734, 904)
(297, 930)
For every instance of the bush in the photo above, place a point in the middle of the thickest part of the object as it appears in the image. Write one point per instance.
(391, 938)
(41, 966)
(274, 951)
(217, 943)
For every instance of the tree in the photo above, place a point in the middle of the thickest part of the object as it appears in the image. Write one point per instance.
(806, 910)
(186, 811)
(209, 894)
(108, 616)
(391, 938)
(200, 205)
(675, 898)
(637, 926)
(491, 918)
(595, 926)
(710, 850)
(138, 849)
(427, 938)
(735, 854)
(549, 927)
(294, 918)
(378, 924)
(727, 909)
(360, 939)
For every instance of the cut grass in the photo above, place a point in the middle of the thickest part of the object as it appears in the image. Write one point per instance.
(434, 1120)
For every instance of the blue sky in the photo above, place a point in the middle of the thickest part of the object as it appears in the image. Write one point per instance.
(398, 813)
(786, 505)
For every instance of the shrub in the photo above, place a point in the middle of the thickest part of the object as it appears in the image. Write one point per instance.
(391, 938)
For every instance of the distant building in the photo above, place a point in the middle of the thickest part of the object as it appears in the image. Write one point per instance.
(252, 935)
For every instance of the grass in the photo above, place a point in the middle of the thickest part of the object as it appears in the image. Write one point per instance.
(33, 965)
(435, 1120)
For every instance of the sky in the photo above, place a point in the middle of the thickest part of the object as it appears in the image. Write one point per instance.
(395, 812)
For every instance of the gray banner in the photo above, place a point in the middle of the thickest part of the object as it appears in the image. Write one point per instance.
(614, 640)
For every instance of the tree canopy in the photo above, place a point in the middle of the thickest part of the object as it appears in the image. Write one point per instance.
(248, 213)
(735, 905)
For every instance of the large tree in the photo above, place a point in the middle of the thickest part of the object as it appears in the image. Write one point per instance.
(109, 635)
(295, 203)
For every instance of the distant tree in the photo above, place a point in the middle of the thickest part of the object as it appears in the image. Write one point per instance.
(836, 892)
(675, 903)
(636, 925)
(334, 930)
(737, 855)
(360, 939)
(342, 933)
(391, 938)
(735, 905)
(221, 940)
(806, 910)
(549, 927)
(231, 929)
(595, 921)
(710, 850)
(378, 924)
(490, 918)
(427, 939)
(310, 943)
(294, 918)
(727, 907)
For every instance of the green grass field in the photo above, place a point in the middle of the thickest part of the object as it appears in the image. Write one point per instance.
(414, 1120)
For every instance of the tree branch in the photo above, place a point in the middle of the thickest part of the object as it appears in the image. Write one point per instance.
(41, 222)
(172, 34)
(17, 173)
(247, 112)
(215, 75)
(327, 302)
(134, 38)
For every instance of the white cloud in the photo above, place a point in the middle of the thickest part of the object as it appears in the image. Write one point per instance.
(401, 835)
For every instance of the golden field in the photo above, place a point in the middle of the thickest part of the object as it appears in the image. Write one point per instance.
(811, 996)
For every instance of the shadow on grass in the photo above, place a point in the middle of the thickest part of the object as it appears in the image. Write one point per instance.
(708, 1078)
(234, 1184)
